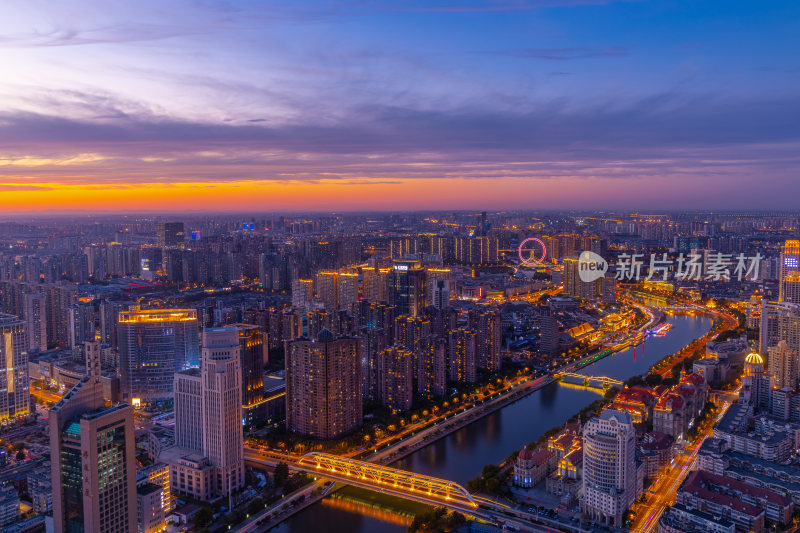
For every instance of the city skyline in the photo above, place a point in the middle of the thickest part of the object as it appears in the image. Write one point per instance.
(427, 105)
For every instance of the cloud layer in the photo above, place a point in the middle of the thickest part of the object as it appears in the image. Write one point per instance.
(113, 96)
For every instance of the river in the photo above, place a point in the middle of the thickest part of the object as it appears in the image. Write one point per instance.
(461, 455)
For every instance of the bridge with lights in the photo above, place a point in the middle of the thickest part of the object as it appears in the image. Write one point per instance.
(594, 382)
(410, 486)
(402, 483)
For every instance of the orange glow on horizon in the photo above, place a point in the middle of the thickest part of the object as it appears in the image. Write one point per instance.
(364, 194)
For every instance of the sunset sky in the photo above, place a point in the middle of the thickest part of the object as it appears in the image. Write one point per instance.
(295, 105)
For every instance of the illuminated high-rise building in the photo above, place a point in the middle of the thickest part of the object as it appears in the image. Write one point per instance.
(375, 281)
(253, 350)
(462, 367)
(431, 360)
(326, 287)
(437, 285)
(323, 386)
(571, 277)
(407, 287)
(609, 466)
(347, 292)
(302, 294)
(779, 321)
(169, 234)
(756, 385)
(93, 462)
(488, 325)
(396, 378)
(221, 374)
(153, 345)
(372, 342)
(15, 398)
(789, 272)
(409, 331)
(188, 409)
(336, 289)
(783, 365)
(36, 321)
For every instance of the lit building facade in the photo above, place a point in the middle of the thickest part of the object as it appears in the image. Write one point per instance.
(221, 375)
(609, 466)
(253, 350)
(36, 321)
(396, 377)
(153, 345)
(323, 386)
(93, 462)
(407, 287)
(789, 272)
(783, 365)
(15, 398)
(462, 364)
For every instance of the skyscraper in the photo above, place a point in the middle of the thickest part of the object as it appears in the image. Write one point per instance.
(783, 365)
(609, 466)
(93, 462)
(437, 283)
(789, 272)
(432, 367)
(323, 386)
(222, 394)
(396, 378)
(779, 321)
(153, 345)
(15, 395)
(169, 234)
(302, 293)
(407, 287)
(488, 325)
(462, 365)
(375, 283)
(36, 321)
(253, 349)
(756, 385)
(572, 280)
(188, 394)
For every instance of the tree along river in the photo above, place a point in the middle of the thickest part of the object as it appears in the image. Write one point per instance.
(461, 455)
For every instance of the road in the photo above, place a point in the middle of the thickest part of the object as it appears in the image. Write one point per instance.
(662, 493)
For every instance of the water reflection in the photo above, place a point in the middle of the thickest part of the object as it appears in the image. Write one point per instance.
(461, 455)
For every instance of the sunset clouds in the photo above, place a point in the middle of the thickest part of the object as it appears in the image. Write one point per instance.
(357, 105)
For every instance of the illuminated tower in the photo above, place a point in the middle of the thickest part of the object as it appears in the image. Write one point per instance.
(488, 324)
(407, 287)
(375, 283)
(253, 350)
(222, 393)
(462, 367)
(789, 272)
(572, 280)
(432, 367)
(756, 386)
(323, 386)
(169, 234)
(302, 294)
(93, 462)
(36, 321)
(14, 392)
(783, 365)
(437, 283)
(396, 378)
(153, 345)
(326, 286)
(609, 466)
